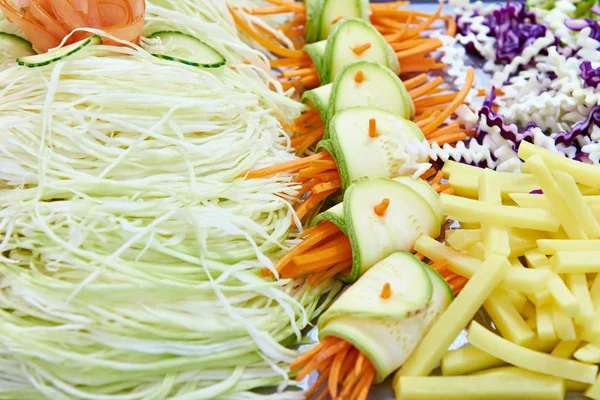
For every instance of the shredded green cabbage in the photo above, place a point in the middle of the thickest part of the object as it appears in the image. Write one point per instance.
(130, 255)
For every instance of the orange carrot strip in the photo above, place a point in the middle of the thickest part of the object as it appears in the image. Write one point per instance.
(448, 138)
(449, 191)
(330, 256)
(373, 128)
(332, 350)
(305, 116)
(444, 130)
(390, 23)
(389, 6)
(428, 174)
(424, 89)
(381, 208)
(270, 10)
(451, 25)
(421, 68)
(434, 100)
(293, 165)
(359, 50)
(390, 38)
(299, 72)
(286, 62)
(322, 187)
(321, 232)
(321, 276)
(425, 121)
(425, 25)
(458, 100)
(438, 177)
(359, 77)
(304, 358)
(407, 44)
(424, 115)
(298, 7)
(386, 292)
(308, 186)
(272, 47)
(420, 256)
(424, 48)
(362, 388)
(413, 82)
(334, 376)
(399, 14)
(325, 375)
(308, 81)
(311, 202)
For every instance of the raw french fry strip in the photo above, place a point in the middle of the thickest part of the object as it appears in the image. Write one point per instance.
(532, 360)
(495, 236)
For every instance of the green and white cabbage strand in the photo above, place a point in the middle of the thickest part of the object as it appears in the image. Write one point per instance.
(130, 256)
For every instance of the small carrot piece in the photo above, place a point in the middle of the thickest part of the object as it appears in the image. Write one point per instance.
(305, 116)
(270, 10)
(438, 177)
(299, 72)
(413, 82)
(429, 173)
(386, 292)
(321, 276)
(446, 129)
(333, 349)
(407, 44)
(425, 25)
(389, 6)
(359, 77)
(421, 68)
(311, 202)
(362, 388)
(426, 88)
(326, 375)
(381, 208)
(448, 138)
(293, 165)
(334, 376)
(330, 256)
(422, 123)
(434, 100)
(359, 50)
(420, 256)
(373, 128)
(448, 191)
(322, 187)
(451, 25)
(458, 100)
(304, 358)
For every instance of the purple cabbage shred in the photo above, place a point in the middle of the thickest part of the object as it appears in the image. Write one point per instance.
(590, 75)
(580, 24)
(537, 191)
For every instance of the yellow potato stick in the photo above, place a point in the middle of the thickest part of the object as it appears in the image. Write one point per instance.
(535, 165)
(578, 285)
(551, 247)
(593, 392)
(495, 236)
(539, 298)
(595, 292)
(577, 204)
(518, 299)
(563, 324)
(465, 182)
(565, 348)
(464, 239)
(496, 386)
(468, 210)
(545, 322)
(575, 262)
(587, 190)
(571, 386)
(540, 201)
(590, 353)
(467, 360)
(529, 359)
(477, 251)
(528, 310)
(582, 173)
(443, 332)
(507, 318)
(531, 323)
(537, 260)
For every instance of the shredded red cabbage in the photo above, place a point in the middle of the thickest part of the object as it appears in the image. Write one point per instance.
(537, 191)
(580, 24)
(590, 75)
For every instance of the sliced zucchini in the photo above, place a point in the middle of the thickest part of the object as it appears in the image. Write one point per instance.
(319, 97)
(40, 60)
(316, 51)
(359, 155)
(379, 87)
(335, 214)
(186, 49)
(387, 331)
(13, 47)
(374, 237)
(314, 9)
(337, 10)
(425, 190)
(342, 44)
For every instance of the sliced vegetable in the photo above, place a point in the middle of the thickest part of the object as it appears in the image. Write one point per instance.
(334, 11)
(40, 60)
(186, 49)
(13, 47)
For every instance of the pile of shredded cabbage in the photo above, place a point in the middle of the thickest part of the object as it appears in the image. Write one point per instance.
(130, 255)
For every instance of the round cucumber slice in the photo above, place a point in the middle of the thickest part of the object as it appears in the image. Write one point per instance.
(40, 60)
(13, 47)
(186, 49)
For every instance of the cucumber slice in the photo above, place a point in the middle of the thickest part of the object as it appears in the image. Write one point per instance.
(316, 51)
(40, 60)
(336, 10)
(335, 214)
(186, 49)
(385, 330)
(381, 88)
(13, 47)
(345, 37)
(313, 20)
(357, 154)
(425, 190)
(319, 97)
(372, 237)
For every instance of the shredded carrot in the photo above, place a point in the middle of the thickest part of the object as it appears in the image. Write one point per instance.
(299, 362)
(434, 100)
(407, 44)
(424, 48)
(423, 122)
(392, 37)
(332, 350)
(359, 77)
(386, 292)
(389, 6)
(299, 72)
(420, 256)
(309, 81)
(311, 202)
(449, 191)
(321, 276)
(306, 116)
(337, 19)
(272, 47)
(381, 208)
(426, 88)
(413, 82)
(294, 165)
(359, 50)
(420, 68)
(458, 100)
(309, 263)
(288, 62)
(438, 177)
(373, 128)
(446, 129)
(448, 138)
(451, 25)
(325, 186)
(334, 376)
(429, 173)
(425, 25)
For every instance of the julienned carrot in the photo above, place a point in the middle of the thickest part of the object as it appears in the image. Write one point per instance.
(390, 6)
(311, 202)
(335, 371)
(426, 88)
(458, 100)
(425, 25)
(407, 44)
(319, 277)
(425, 121)
(445, 130)
(427, 47)
(290, 166)
(422, 68)
(451, 25)
(325, 186)
(413, 82)
(266, 43)
(429, 173)
(308, 263)
(434, 100)
(448, 138)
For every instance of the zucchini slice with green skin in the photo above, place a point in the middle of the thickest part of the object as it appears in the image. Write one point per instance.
(40, 60)
(425, 190)
(380, 88)
(387, 331)
(337, 10)
(316, 51)
(319, 98)
(349, 35)
(314, 9)
(335, 214)
(13, 47)
(186, 49)
(357, 154)
(375, 237)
